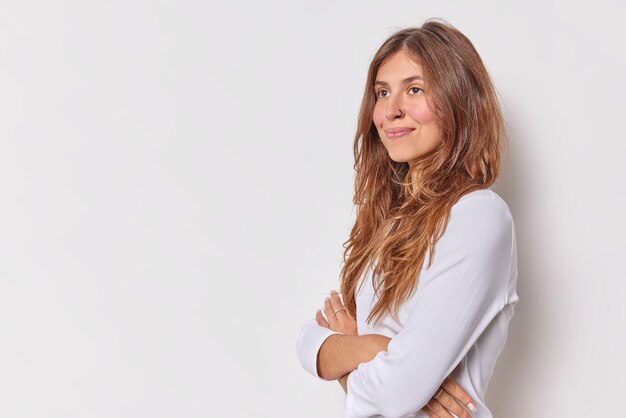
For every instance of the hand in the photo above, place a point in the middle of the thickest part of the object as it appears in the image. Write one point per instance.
(439, 406)
(342, 321)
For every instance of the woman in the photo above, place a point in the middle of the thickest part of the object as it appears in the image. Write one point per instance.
(433, 248)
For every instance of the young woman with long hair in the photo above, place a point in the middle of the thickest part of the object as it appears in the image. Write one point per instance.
(428, 283)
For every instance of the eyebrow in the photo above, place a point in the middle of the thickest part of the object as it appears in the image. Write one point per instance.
(405, 81)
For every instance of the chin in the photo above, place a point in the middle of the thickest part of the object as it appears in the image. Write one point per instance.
(401, 159)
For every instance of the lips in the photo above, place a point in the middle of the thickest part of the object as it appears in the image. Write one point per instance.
(398, 132)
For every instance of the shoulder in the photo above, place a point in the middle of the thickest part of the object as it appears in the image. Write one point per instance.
(478, 238)
(483, 197)
(481, 203)
(479, 231)
(480, 214)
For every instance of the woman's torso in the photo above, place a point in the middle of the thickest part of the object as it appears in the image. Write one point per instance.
(475, 370)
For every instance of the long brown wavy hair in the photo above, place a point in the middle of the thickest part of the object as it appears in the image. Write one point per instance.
(402, 211)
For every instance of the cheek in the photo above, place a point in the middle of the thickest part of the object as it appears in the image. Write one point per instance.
(421, 113)
(377, 117)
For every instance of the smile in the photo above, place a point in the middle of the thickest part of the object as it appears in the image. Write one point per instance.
(397, 133)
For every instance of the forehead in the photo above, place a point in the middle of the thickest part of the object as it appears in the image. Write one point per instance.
(398, 67)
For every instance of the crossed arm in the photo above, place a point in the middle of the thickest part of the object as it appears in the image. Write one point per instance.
(464, 290)
(340, 354)
(367, 346)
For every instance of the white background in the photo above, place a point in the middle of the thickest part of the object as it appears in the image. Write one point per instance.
(176, 185)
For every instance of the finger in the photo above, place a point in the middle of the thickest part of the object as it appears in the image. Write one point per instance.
(321, 320)
(450, 404)
(428, 412)
(350, 317)
(457, 391)
(330, 314)
(438, 409)
(336, 303)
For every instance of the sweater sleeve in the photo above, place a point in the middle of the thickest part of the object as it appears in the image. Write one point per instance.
(456, 299)
(309, 341)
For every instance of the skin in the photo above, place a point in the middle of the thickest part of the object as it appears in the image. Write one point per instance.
(345, 352)
(402, 100)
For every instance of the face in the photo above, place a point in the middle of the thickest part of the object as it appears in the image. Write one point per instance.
(404, 121)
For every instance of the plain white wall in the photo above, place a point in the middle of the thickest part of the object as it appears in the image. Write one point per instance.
(176, 182)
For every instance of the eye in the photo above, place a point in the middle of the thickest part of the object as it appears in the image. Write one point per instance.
(380, 91)
(416, 88)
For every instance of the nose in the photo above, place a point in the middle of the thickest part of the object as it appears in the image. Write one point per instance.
(395, 108)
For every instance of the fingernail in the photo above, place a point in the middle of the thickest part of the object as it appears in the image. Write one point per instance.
(472, 407)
